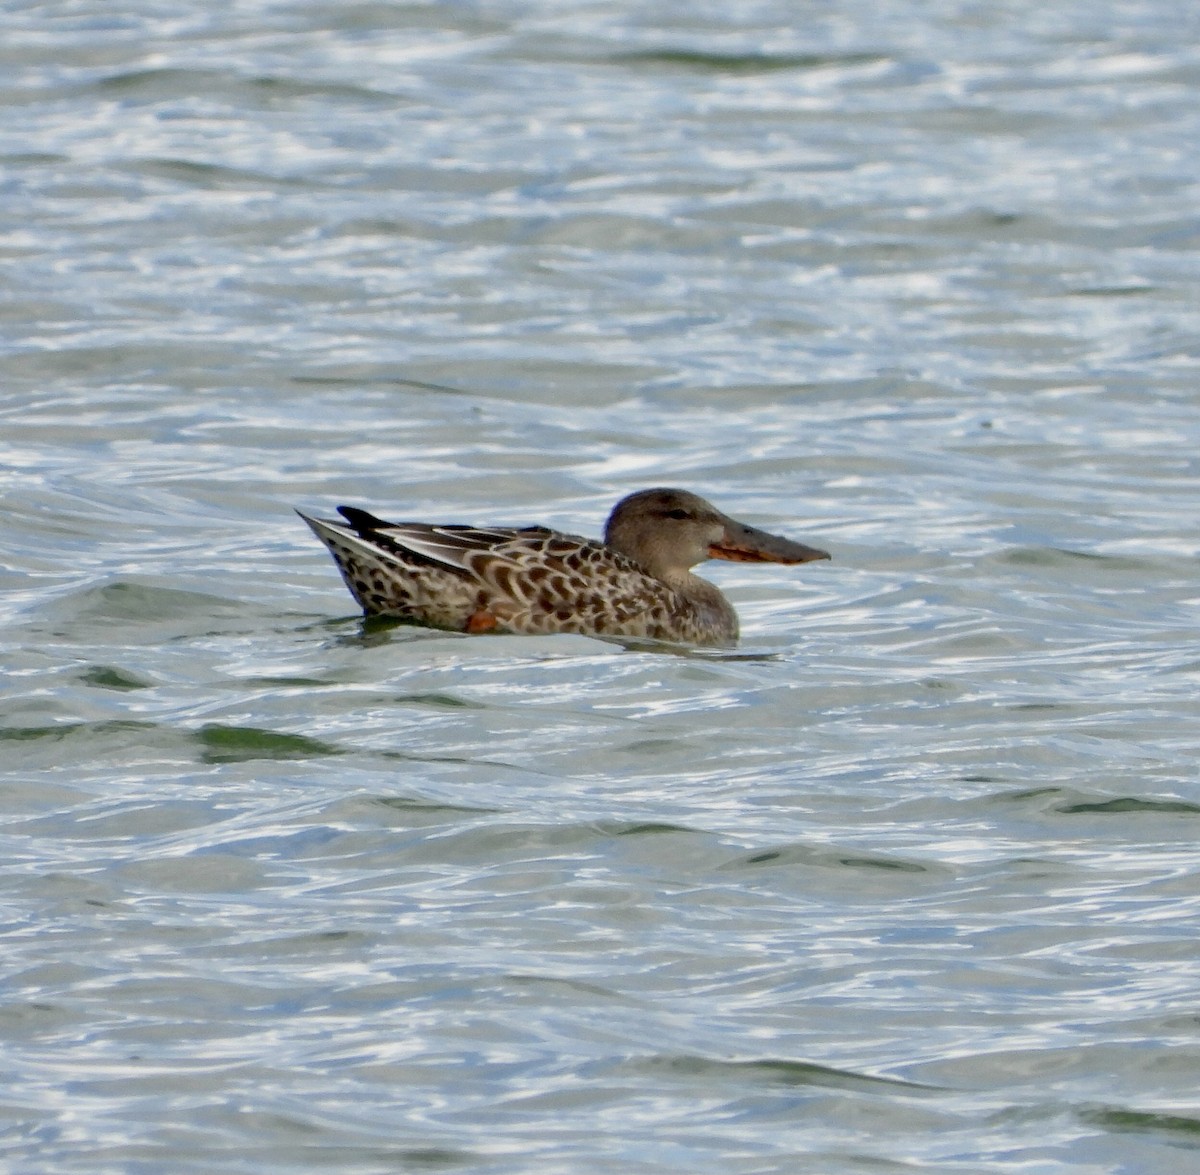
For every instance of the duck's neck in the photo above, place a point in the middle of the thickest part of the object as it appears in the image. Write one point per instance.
(707, 599)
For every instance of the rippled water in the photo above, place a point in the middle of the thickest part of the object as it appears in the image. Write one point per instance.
(909, 882)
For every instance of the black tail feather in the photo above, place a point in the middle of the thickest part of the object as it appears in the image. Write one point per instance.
(365, 523)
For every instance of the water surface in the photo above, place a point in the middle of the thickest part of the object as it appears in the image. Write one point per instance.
(907, 883)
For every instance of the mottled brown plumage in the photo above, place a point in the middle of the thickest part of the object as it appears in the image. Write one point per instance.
(637, 583)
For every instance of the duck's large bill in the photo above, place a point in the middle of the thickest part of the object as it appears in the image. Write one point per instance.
(748, 544)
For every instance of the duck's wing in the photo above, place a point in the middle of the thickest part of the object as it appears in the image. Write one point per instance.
(458, 548)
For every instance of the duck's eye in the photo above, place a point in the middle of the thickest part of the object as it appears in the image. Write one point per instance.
(678, 515)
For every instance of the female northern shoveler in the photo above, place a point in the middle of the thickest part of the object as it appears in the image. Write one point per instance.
(637, 583)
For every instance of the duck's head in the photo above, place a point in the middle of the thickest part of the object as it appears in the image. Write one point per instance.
(669, 531)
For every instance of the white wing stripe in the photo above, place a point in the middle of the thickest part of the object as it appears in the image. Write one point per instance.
(425, 544)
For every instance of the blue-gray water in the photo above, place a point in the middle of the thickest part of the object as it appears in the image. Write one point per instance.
(909, 884)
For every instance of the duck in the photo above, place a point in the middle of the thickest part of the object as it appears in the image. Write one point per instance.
(637, 583)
